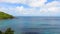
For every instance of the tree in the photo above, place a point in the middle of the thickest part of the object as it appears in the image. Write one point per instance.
(9, 31)
(0, 32)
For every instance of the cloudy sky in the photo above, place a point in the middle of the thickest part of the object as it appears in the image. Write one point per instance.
(31, 7)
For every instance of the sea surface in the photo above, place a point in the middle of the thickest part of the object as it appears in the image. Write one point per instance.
(32, 25)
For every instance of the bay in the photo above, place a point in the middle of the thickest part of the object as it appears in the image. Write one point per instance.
(32, 25)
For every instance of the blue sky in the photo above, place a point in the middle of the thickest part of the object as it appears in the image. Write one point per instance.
(31, 7)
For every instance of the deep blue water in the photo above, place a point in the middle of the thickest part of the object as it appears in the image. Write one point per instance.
(32, 25)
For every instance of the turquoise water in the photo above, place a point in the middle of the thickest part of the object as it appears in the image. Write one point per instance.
(32, 25)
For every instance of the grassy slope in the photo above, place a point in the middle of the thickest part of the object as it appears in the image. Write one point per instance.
(5, 16)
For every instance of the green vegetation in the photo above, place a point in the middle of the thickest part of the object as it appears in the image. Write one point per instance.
(5, 16)
(1, 32)
(8, 31)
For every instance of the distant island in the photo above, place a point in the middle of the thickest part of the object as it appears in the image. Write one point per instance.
(5, 16)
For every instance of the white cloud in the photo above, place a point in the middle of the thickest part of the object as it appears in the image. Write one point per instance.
(32, 3)
(49, 9)
(6, 10)
(54, 9)
(24, 11)
(13, 1)
(53, 4)
(20, 10)
(36, 3)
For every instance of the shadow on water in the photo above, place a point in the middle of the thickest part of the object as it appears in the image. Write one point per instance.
(30, 31)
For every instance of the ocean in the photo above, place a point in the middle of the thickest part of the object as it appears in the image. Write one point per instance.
(32, 25)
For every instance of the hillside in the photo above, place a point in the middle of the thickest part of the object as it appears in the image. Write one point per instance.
(5, 16)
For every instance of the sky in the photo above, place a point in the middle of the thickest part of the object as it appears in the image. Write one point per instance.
(31, 7)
